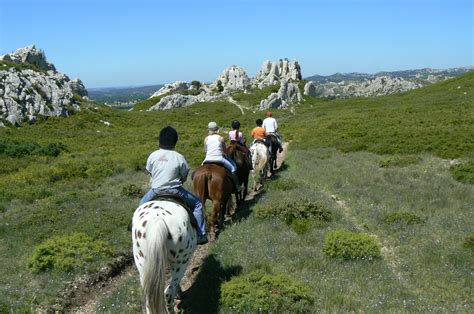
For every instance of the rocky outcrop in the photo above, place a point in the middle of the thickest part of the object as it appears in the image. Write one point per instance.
(178, 101)
(26, 94)
(273, 73)
(31, 55)
(171, 88)
(379, 86)
(310, 89)
(288, 93)
(232, 78)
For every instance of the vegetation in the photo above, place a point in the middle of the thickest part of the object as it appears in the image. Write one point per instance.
(146, 104)
(261, 292)
(350, 245)
(67, 253)
(7, 65)
(351, 164)
(406, 218)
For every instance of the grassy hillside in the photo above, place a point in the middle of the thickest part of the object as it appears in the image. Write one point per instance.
(362, 159)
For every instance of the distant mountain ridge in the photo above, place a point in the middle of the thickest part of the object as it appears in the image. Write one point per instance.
(122, 94)
(406, 74)
(345, 85)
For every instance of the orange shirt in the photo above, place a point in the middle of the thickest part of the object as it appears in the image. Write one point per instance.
(258, 133)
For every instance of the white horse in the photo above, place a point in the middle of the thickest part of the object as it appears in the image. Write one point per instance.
(260, 159)
(162, 234)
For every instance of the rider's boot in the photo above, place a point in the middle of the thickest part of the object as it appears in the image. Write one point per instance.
(235, 180)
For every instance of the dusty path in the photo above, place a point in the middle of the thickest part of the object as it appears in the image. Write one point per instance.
(235, 102)
(83, 297)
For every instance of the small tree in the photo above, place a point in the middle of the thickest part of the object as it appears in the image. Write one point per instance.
(196, 84)
(219, 86)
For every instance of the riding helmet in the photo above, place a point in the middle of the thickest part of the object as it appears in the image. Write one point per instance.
(269, 114)
(168, 138)
(212, 126)
(235, 124)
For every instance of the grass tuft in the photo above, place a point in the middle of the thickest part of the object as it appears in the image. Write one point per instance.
(350, 245)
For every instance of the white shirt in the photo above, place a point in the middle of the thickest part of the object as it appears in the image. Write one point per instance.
(168, 169)
(213, 147)
(270, 125)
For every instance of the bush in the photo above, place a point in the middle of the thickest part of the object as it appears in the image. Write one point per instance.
(469, 242)
(464, 172)
(18, 149)
(260, 292)
(398, 161)
(132, 190)
(402, 218)
(350, 245)
(300, 215)
(65, 253)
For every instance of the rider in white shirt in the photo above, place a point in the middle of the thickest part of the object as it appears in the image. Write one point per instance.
(214, 146)
(271, 127)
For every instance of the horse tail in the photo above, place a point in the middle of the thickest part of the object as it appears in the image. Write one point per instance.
(154, 267)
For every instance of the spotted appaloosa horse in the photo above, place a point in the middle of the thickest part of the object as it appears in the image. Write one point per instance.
(260, 163)
(243, 169)
(211, 181)
(162, 234)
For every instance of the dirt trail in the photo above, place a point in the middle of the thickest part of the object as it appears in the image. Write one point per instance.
(84, 297)
(233, 101)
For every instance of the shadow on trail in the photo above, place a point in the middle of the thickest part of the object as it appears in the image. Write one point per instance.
(203, 295)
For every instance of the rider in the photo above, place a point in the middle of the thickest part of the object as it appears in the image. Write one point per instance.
(235, 136)
(214, 147)
(259, 135)
(169, 170)
(271, 127)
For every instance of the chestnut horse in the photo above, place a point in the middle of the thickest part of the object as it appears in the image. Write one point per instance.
(241, 159)
(212, 181)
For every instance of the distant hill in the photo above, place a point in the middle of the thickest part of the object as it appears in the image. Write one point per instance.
(346, 85)
(419, 74)
(112, 95)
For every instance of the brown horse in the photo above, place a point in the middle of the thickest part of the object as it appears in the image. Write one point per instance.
(211, 181)
(234, 151)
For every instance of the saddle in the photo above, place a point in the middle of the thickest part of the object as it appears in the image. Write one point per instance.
(260, 140)
(171, 197)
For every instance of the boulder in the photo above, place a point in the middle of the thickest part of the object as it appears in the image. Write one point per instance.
(272, 73)
(178, 101)
(289, 93)
(31, 55)
(233, 78)
(171, 88)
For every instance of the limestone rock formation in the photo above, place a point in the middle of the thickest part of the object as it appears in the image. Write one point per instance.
(310, 89)
(26, 94)
(31, 55)
(288, 93)
(171, 88)
(233, 78)
(272, 73)
(178, 101)
(379, 86)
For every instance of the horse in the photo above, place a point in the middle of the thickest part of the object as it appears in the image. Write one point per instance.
(272, 139)
(211, 181)
(235, 152)
(162, 233)
(260, 163)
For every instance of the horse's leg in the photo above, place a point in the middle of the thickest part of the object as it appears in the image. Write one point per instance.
(216, 206)
(177, 273)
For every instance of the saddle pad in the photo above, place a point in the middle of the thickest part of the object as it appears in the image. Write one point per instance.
(171, 197)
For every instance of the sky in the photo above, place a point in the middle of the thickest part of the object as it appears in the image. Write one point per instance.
(145, 42)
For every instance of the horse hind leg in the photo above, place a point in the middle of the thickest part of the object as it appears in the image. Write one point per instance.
(178, 268)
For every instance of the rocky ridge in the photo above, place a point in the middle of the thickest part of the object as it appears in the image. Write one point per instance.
(234, 78)
(34, 88)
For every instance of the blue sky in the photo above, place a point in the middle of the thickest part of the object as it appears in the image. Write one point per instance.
(144, 42)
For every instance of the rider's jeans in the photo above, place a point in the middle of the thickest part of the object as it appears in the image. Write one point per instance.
(189, 198)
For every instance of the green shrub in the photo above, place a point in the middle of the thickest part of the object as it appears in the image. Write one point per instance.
(398, 160)
(299, 215)
(469, 242)
(402, 218)
(350, 245)
(18, 149)
(65, 253)
(132, 190)
(282, 184)
(464, 172)
(261, 292)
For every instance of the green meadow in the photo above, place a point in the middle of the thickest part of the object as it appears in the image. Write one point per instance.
(372, 210)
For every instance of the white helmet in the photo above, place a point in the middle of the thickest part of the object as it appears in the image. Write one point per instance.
(212, 126)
